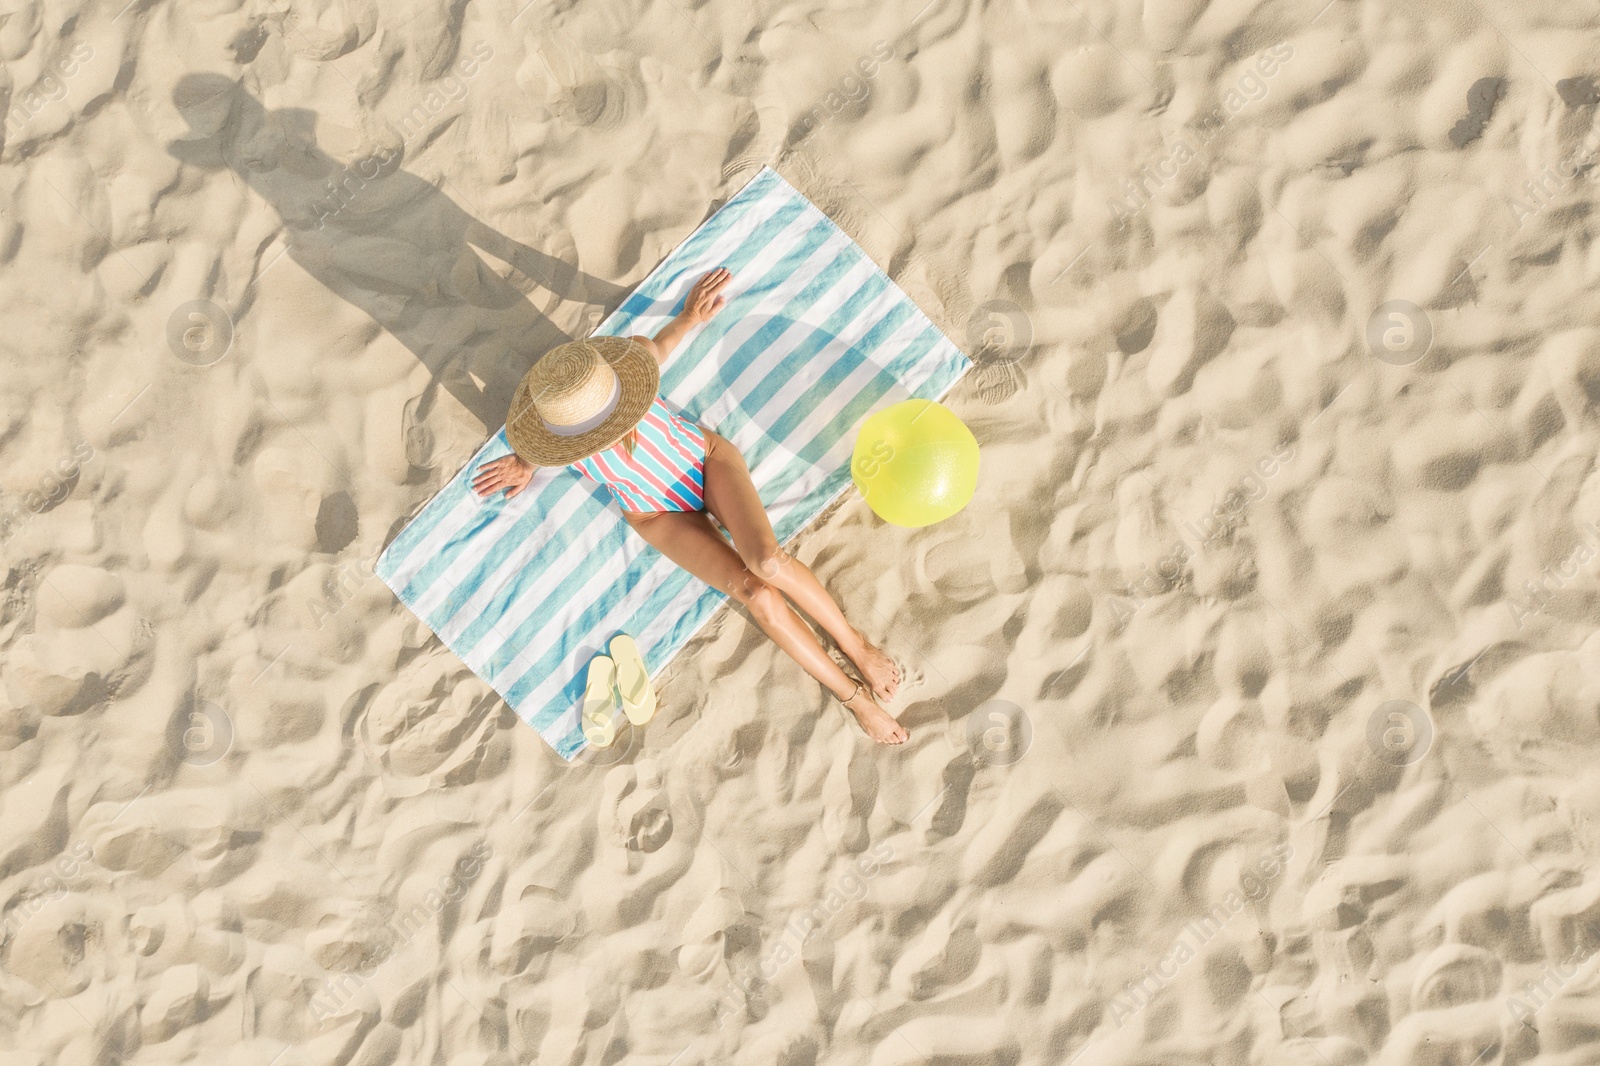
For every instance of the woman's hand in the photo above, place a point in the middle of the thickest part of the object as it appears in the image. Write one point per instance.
(509, 472)
(703, 301)
(706, 298)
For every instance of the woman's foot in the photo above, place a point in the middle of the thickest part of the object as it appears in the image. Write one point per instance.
(874, 720)
(877, 669)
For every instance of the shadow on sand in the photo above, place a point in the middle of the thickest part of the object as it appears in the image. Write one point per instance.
(393, 245)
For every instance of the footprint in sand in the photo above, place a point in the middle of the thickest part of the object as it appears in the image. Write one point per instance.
(291, 483)
(429, 727)
(646, 844)
(1540, 713)
(1482, 99)
(950, 806)
(1563, 921)
(996, 382)
(134, 846)
(1578, 92)
(973, 1041)
(337, 522)
(1136, 327)
(415, 434)
(602, 103)
(949, 561)
(817, 958)
(54, 949)
(637, 815)
(715, 928)
(778, 754)
(1195, 328)
(783, 1048)
(739, 169)
(999, 336)
(1024, 816)
(589, 94)
(86, 648)
(849, 794)
(530, 929)
(352, 936)
(182, 997)
(815, 181)
(1233, 737)
(333, 31)
(18, 725)
(1453, 974)
(942, 955)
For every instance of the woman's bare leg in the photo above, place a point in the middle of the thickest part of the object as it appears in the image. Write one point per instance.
(689, 539)
(732, 497)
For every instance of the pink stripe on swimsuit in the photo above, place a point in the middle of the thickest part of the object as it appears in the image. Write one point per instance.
(665, 471)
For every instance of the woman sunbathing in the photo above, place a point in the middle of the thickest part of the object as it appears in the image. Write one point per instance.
(592, 405)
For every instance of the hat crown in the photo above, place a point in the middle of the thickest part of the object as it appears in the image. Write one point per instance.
(581, 398)
(571, 385)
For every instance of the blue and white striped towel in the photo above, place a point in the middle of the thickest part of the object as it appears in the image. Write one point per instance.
(814, 338)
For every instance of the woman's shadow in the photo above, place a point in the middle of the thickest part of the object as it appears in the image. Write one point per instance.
(392, 244)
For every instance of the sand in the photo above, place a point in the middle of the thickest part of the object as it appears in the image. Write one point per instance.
(1253, 701)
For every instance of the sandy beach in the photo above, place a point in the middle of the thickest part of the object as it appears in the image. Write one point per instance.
(1253, 701)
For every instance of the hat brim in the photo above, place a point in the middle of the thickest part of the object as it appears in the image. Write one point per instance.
(640, 378)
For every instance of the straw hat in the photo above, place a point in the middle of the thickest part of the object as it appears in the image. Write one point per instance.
(581, 398)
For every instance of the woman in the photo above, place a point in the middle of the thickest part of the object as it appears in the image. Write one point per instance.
(592, 405)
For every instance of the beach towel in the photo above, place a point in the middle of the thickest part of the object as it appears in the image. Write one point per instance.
(813, 339)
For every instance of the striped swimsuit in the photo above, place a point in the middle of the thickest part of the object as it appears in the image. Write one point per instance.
(666, 470)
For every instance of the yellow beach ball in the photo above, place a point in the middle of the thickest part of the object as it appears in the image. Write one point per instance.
(916, 463)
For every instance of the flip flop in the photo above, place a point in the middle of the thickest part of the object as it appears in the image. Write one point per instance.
(599, 704)
(633, 680)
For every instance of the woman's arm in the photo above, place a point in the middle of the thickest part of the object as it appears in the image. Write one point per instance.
(556, 275)
(704, 300)
(512, 473)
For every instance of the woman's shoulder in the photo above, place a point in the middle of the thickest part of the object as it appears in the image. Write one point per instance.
(667, 409)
